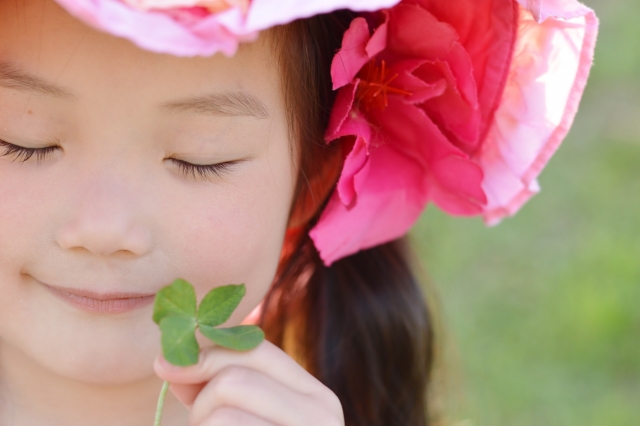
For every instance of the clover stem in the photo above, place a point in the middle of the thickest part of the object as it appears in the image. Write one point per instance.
(163, 394)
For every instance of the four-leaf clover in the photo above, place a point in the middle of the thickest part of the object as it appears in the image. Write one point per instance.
(176, 312)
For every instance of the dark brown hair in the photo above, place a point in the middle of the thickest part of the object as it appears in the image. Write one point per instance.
(361, 326)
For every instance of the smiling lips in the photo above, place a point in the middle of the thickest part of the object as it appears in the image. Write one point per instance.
(108, 303)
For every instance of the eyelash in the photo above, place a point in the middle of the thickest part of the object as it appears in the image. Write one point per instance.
(205, 172)
(23, 154)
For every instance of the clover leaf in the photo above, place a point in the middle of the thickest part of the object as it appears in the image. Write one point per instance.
(176, 313)
(179, 298)
(179, 344)
(175, 310)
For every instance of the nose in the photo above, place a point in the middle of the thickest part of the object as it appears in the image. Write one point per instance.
(103, 219)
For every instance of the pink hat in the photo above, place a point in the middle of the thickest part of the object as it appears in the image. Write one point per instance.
(461, 103)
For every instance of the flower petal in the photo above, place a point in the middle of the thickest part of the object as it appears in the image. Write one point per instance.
(486, 29)
(353, 55)
(454, 180)
(389, 202)
(414, 33)
(548, 74)
(563, 9)
(456, 186)
(356, 165)
(342, 108)
(378, 40)
(457, 110)
(354, 173)
(420, 91)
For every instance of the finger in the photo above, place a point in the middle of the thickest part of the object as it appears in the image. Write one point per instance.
(230, 416)
(266, 358)
(254, 392)
(186, 394)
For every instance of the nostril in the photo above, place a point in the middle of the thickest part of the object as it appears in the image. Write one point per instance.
(104, 239)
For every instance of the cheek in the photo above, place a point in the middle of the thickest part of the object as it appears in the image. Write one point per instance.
(241, 230)
(22, 222)
(24, 232)
(235, 233)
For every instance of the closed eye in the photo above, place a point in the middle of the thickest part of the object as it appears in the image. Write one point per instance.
(206, 172)
(22, 154)
(195, 171)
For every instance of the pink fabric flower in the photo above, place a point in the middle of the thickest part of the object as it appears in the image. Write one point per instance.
(461, 106)
(461, 103)
(201, 27)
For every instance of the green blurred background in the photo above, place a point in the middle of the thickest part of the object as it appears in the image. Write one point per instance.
(542, 313)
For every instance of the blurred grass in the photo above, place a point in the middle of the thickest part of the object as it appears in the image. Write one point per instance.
(542, 312)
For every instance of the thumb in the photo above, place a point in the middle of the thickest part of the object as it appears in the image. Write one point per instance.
(185, 393)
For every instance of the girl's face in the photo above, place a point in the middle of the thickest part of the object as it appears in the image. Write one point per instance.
(112, 207)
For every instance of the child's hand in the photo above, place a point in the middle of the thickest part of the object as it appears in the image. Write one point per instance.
(260, 387)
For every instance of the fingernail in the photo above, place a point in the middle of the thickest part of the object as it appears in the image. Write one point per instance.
(166, 365)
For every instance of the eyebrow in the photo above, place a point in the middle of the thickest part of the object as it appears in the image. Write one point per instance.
(13, 77)
(227, 104)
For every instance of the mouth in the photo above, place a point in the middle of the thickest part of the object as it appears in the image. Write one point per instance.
(105, 303)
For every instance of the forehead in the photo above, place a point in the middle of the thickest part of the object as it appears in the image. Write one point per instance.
(43, 39)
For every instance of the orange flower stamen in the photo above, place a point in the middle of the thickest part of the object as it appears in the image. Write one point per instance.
(375, 86)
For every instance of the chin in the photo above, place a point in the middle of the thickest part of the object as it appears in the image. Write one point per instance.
(99, 359)
(117, 366)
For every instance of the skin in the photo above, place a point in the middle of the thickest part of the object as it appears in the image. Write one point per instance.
(109, 211)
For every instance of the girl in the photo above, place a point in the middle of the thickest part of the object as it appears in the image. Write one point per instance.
(230, 141)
